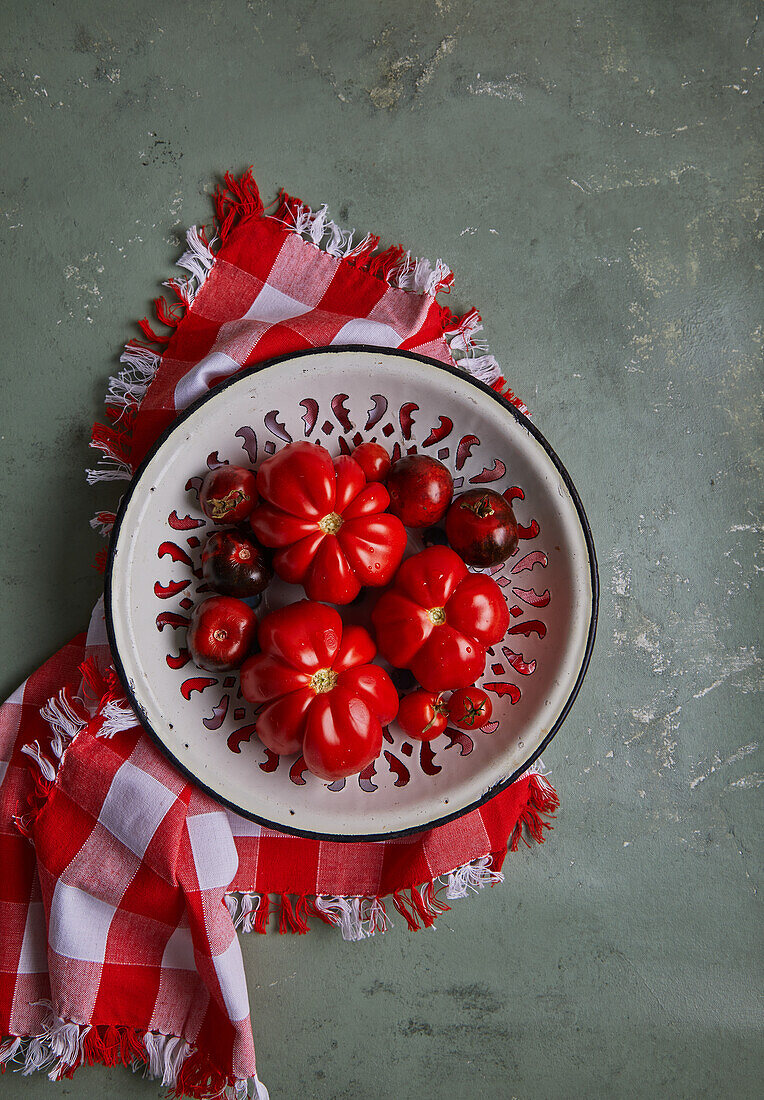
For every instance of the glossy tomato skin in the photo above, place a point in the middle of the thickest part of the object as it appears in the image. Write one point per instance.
(228, 494)
(470, 708)
(422, 716)
(420, 490)
(438, 618)
(235, 565)
(319, 691)
(221, 633)
(481, 527)
(373, 460)
(328, 527)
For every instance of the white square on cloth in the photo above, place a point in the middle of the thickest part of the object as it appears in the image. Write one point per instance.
(135, 807)
(274, 306)
(34, 954)
(197, 381)
(363, 331)
(229, 968)
(215, 855)
(79, 924)
(179, 950)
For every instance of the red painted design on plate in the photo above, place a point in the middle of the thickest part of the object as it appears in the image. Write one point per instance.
(464, 450)
(275, 427)
(377, 411)
(248, 441)
(180, 661)
(216, 719)
(175, 552)
(427, 758)
(532, 626)
(536, 557)
(405, 418)
(340, 412)
(271, 762)
(496, 473)
(239, 737)
(311, 414)
(295, 772)
(365, 777)
(528, 532)
(183, 523)
(398, 769)
(169, 618)
(532, 597)
(165, 591)
(196, 683)
(517, 662)
(437, 435)
(504, 689)
(460, 738)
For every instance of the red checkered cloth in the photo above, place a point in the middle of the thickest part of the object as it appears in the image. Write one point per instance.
(122, 884)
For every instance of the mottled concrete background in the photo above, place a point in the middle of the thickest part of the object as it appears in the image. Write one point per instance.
(590, 170)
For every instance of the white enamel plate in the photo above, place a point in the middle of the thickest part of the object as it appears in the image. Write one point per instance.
(339, 397)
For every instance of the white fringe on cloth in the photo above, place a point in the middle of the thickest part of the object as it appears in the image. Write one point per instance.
(60, 1047)
(118, 716)
(418, 275)
(243, 910)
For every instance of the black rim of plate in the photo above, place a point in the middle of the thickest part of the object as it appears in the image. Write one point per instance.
(279, 826)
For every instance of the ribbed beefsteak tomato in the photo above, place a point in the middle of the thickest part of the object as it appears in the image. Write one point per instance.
(438, 618)
(328, 526)
(322, 696)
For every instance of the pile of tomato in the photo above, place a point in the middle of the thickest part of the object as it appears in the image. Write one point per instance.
(338, 527)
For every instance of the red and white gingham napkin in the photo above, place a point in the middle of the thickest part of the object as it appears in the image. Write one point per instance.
(122, 885)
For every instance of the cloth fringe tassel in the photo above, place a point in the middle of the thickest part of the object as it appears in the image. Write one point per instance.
(105, 714)
(396, 267)
(472, 355)
(358, 917)
(62, 1047)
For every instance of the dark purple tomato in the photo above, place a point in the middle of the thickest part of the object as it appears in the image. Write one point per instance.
(482, 528)
(235, 565)
(221, 633)
(420, 490)
(228, 494)
(373, 460)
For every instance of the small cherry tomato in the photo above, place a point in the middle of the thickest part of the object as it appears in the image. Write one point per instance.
(221, 633)
(469, 708)
(373, 460)
(235, 565)
(228, 494)
(422, 715)
(420, 490)
(482, 528)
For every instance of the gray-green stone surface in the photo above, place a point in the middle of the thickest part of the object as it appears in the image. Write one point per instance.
(592, 172)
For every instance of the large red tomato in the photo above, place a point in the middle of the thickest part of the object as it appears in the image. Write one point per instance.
(322, 695)
(438, 618)
(329, 528)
